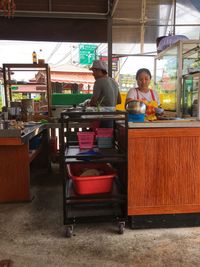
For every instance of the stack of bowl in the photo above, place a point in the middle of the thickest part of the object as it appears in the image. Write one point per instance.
(136, 110)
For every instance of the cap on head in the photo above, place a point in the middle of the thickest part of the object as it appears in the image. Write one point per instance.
(100, 65)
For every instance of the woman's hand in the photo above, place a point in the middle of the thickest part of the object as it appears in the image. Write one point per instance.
(159, 111)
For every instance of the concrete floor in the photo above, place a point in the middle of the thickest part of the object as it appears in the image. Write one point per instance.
(31, 234)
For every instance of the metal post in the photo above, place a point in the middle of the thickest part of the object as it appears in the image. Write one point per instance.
(198, 107)
(155, 69)
(174, 17)
(9, 85)
(109, 37)
(143, 20)
(179, 77)
(5, 86)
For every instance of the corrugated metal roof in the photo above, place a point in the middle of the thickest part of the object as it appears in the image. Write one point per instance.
(30, 88)
(79, 21)
(69, 68)
(72, 77)
(86, 6)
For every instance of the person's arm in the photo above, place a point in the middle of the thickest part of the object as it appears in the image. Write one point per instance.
(93, 101)
(119, 99)
(96, 93)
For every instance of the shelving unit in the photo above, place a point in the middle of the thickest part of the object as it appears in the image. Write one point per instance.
(9, 69)
(98, 207)
(191, 95)
(169, 67)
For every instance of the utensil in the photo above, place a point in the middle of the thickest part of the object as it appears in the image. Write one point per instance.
(136, 107)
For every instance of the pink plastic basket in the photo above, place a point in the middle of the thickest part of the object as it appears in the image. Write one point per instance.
(85, 139)
(104, 132)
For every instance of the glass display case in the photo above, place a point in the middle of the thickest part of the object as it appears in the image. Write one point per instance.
(181, 58)
(29, 86)
(190, 95)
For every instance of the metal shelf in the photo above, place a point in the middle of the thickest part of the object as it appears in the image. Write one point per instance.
(8, 69)
(99, 206)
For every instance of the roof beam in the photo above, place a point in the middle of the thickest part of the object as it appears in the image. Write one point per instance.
(50, 14)
(143, 20)
(50, 5)
(114, 7)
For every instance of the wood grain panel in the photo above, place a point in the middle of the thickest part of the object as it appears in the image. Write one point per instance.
(155, 132)
(163, 210)
(14, 173)
(163, 171)
(10, 141)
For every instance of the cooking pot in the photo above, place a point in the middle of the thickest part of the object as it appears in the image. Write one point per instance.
(136, 107)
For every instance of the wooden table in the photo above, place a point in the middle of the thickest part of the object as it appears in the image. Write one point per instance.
(15, 159)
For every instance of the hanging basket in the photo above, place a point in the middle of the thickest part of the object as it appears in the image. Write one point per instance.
(8, 8)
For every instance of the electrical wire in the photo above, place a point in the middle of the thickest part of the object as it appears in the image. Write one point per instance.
(62, 59)
(54, 51)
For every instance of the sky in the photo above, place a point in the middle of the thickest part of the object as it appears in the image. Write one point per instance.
(59, 53)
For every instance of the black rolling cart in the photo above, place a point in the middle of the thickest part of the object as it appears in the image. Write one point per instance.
(93, 206)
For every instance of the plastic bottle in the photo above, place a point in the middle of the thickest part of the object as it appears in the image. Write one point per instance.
(34, 57)
(41, 57)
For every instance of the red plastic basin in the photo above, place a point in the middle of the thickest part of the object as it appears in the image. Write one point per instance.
(86, 185)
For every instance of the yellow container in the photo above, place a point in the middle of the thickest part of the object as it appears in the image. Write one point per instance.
(168, 101)
(123, 98)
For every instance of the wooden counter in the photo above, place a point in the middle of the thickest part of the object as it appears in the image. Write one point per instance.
(163, 168)
(15, 159)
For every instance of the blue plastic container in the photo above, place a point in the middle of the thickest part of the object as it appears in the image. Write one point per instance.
(35, 142)
(136, 117)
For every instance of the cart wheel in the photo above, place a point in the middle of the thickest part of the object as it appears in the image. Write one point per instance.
(69, 231)
(121, 226)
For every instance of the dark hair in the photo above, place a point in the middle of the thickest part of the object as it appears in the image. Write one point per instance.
(143, 70)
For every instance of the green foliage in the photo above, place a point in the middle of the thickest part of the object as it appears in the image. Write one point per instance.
(16, 96)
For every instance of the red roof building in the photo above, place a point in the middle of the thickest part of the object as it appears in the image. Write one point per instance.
(68, 78)
(65, 78)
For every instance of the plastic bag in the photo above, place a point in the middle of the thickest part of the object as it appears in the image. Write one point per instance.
(168, 41)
